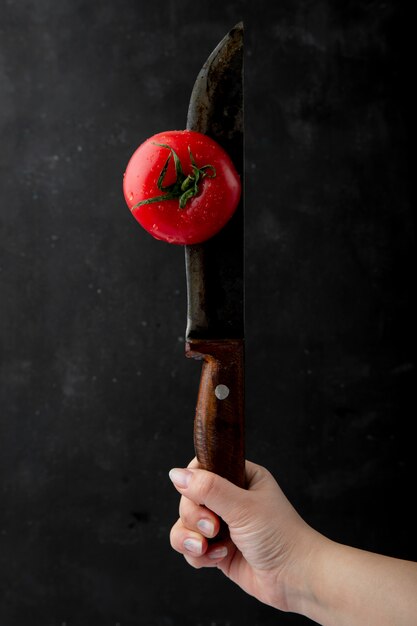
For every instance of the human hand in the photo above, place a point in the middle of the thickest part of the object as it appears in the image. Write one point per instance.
(268, 540)
(276, 557)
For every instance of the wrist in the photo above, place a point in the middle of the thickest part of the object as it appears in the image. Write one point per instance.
(301, 577)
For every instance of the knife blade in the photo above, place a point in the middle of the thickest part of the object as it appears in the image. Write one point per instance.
(215, 275)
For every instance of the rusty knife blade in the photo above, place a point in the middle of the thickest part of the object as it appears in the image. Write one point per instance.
(215, 268)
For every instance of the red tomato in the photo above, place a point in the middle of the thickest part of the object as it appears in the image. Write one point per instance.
(183, 191)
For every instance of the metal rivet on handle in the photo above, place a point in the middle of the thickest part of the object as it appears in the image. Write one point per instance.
(221, 392)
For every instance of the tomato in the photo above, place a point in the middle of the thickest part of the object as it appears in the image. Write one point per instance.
(181, 186)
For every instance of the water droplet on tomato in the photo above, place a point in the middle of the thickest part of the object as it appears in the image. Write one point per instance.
(130, 196)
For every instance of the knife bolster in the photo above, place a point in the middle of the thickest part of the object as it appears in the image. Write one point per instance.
(219, 418)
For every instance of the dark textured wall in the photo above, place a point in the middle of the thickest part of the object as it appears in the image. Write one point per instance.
(96, 396)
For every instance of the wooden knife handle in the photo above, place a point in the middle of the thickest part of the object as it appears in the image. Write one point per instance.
(219, 418)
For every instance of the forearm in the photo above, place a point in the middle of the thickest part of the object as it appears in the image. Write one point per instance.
(344, 586)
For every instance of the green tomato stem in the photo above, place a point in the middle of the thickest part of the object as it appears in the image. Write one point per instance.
(184, 187)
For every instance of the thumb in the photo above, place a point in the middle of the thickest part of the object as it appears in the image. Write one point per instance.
(216, 493)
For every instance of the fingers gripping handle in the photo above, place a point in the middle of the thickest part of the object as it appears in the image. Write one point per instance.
(219, 418)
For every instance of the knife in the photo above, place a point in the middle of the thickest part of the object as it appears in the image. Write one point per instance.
(215, 275)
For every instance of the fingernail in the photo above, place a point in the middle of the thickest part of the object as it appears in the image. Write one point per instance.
(206, 527)
(193, 545)
(180, 477)
(218, 553)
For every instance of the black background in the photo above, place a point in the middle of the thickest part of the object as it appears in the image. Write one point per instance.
(97, 398)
